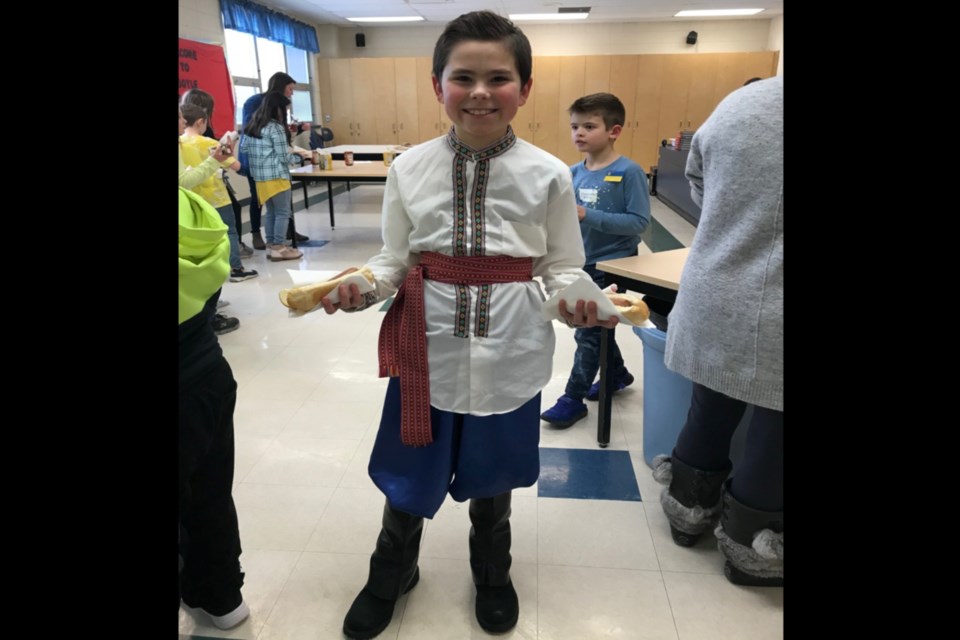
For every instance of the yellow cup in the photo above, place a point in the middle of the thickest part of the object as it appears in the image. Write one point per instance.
(388, 157)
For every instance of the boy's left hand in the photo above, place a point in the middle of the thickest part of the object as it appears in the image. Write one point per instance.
(584, 316)
(581, 213)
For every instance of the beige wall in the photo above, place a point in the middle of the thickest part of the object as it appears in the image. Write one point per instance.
(200, 20)
(572, 40)
(776, 41)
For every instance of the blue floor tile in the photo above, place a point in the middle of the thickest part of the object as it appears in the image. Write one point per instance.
(587, 474)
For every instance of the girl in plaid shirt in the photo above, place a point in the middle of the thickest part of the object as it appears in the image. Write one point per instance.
(267, 140)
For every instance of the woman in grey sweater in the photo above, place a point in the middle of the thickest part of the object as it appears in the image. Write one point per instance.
(726, 335)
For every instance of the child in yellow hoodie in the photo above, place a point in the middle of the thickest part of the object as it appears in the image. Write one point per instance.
(195, 148)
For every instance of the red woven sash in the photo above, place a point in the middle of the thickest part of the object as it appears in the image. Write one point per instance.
(403, 339)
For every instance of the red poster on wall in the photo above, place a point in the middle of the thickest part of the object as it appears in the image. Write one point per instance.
(204, 66)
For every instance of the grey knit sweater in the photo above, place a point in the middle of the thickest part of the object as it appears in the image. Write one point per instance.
(726, 329)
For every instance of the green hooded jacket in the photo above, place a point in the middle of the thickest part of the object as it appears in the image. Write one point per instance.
(204, 253)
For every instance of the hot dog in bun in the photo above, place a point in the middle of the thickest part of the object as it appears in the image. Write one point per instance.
(630, 307)
(309, 296)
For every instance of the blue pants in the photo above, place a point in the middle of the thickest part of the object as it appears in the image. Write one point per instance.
(226, 214)
(484, 456)
(586, 361)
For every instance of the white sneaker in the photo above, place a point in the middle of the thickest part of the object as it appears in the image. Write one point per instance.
(232, 619)
(221, 303)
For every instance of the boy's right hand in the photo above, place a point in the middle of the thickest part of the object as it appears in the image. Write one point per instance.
(350, 298)
(220, 153)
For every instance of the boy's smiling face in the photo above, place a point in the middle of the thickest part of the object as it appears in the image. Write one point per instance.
(480, 91)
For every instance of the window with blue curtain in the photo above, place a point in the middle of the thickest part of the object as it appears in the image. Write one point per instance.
(249, 17)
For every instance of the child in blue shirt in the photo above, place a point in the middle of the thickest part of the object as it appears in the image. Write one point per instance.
(614, 209)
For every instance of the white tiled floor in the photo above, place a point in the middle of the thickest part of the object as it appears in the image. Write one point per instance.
(307, 411)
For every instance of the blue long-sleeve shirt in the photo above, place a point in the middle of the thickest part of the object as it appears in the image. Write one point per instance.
(617, 208)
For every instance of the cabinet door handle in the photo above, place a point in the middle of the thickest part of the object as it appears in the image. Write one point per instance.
(401, 126)
(351, 126)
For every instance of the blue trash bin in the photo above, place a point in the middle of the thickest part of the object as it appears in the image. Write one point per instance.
(666, 400)
(666, 396)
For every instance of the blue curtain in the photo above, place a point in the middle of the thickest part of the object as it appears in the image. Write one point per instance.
(245, 16)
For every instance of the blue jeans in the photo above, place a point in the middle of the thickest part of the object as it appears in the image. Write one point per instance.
(586, 361)
(276, 217)
(226, 214)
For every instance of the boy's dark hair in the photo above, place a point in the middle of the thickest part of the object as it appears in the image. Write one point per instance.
(606, 105)
(200, 98)
(752, 80)
(192, 113)
(484, 26)
(273, 104)
(279, 81)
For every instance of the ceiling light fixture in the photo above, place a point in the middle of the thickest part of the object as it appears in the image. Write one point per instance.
(388, 19)
(549, 16)
(716, 12)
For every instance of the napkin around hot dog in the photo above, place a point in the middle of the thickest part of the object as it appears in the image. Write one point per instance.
(305, 277)
(586, 290)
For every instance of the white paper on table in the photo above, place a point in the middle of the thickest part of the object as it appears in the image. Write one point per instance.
(301, 278)
(586, 290)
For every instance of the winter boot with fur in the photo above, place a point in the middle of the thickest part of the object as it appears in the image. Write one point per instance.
(752, 543)
(691, 500)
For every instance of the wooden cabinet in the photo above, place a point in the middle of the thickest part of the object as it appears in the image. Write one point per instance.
(646, 112)
(392, 100)
(623, 84)
(395, 101)
(733, 69)
(371, 100)
(546, 96)
(407, 124)
(572, 74)
(693, 85)
(596, 74)
(339, 104)
(428, 108)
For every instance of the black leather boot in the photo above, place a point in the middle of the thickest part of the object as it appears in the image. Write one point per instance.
(393, 572)
(752, 543)
(692, 500)
(292, 232)
(497, 607)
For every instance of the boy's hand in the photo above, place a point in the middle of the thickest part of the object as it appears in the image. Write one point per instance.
(350, 297)
(581, 213)
(220, 153)
(584, 316)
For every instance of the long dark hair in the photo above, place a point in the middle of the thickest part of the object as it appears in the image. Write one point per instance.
(273, 107)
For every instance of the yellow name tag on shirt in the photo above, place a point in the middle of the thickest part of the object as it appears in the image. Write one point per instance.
(613, 178)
